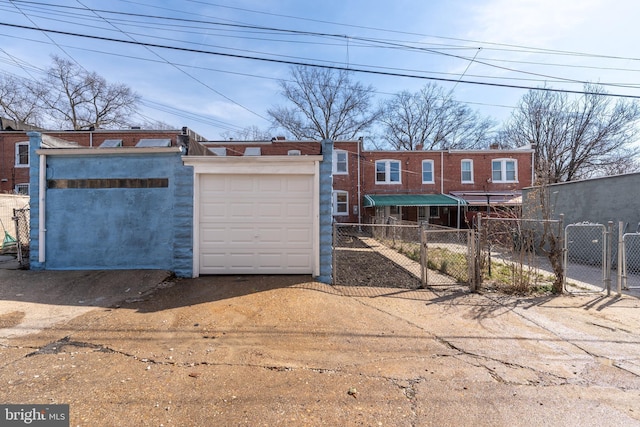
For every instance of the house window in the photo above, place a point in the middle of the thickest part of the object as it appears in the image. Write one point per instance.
(387, 172)
(22, 189)
(431, 211)
(427, 172)
(340, 203)
(340, 160)
(504, 170)
(466, 166)
(22, 154)
(388, 211)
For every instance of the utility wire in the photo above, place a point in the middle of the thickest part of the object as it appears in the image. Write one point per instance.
(175, 66)
(338, 36)
(298, 63)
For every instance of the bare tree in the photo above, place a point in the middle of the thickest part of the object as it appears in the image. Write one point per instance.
(250, 133)
(432, 119)
(80, 99)
(19, 100)
(574, 138)
(327, 104)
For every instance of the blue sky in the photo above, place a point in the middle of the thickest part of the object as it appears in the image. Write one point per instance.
(529, 43)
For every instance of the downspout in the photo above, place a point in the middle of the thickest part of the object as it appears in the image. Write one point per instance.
(42, 184)
(441, 172)
(533, 164)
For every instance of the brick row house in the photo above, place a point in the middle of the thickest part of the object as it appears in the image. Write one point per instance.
(14, 147)
(445, 187)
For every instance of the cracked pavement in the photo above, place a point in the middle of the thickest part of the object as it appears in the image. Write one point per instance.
(134, 348)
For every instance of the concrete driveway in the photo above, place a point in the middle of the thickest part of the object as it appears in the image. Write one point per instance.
(134, 348)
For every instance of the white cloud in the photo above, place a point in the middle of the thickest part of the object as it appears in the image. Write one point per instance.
(535, 23)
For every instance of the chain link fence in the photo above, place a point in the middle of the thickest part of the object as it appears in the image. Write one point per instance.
(448, 257)
(519, 255)
(377, 255)
(587, 254)
(400, 254)
(21, 219)
(504, 254)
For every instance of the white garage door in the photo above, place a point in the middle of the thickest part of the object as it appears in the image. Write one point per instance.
(256, 224)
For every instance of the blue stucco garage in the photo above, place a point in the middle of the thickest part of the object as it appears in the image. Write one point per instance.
(120, 208)
(145, 208)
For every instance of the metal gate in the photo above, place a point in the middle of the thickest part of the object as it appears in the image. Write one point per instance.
(409, 256)
(587, 258)
(630, 262)
(449, 256)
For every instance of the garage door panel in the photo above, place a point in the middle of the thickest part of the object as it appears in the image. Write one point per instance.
(300, 184)
(298, 211)
(270, 184)
(209, 236)
(301, 236)
(240, 185)
(213, 211)
(241, 210)
(269, 210)
(256, 224)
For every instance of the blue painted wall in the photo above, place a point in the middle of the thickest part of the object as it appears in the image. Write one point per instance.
(326, 217)
(114, 228)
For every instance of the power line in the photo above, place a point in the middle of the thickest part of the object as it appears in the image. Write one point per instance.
(175, 66)
(305, 64)
(377, 42)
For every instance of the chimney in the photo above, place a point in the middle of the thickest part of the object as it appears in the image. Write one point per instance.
(494, 146)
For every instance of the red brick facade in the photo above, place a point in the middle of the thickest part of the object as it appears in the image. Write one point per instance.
(443, 175)
(492, 173)
(14, 171)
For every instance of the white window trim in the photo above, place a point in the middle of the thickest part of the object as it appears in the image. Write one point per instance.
(503, 170)
(17, 156)
(432, 172)
(437, 208)
(387, 171)
(335, 162)
(470, 161)
(335, 203)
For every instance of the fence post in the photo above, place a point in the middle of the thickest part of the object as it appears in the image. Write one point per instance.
(607, 261)
(471, 241)
(423, 258)
(621, 249)
(16, 219)
(334, 268)
(562, 235)
(476, 261)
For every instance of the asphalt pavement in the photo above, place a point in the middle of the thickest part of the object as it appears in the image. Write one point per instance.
(143, 348)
